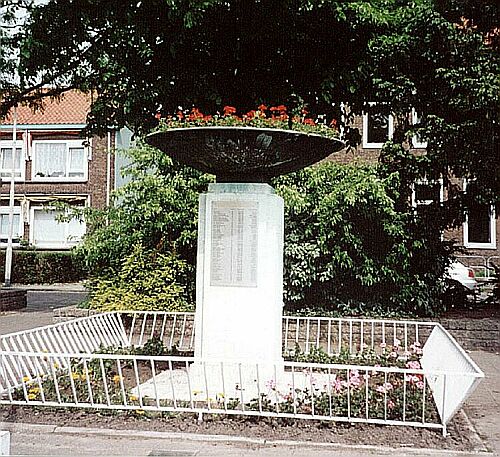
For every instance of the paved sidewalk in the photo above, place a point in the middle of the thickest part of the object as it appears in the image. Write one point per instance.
(40, 309)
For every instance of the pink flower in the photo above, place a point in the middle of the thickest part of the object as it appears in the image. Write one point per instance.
(337, 385)
(271, 384)
(393, 354)
(390, 404)
(414, 365)
(420, 384)
(383, 345)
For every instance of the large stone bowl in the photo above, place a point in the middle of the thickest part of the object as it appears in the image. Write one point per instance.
(244, 154)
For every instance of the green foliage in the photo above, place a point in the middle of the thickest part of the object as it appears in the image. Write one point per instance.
(346, 243)
(348, 246)
(44, 267)
(158, 208)
(146, 281)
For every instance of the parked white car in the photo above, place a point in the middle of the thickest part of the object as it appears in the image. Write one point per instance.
(461, 274)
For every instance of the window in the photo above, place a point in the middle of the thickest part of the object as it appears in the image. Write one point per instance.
(6, 160)
(480, 226)
(59, 161)
(377, 129)
(417, 142)
(47, 231)
(425, 193)
(18, 226)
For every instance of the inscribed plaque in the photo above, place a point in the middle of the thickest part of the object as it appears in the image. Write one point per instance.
(233, 260)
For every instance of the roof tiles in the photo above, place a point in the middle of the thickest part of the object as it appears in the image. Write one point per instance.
(72, 108)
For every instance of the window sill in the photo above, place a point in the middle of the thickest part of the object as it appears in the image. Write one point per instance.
(59, 179)
(480, 245)
(373, 145)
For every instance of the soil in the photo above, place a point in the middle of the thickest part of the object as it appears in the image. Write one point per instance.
(460, 436)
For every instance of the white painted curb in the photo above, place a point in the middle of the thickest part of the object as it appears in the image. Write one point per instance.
(4, 443)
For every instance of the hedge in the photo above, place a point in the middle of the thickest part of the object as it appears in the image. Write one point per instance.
(43, 267)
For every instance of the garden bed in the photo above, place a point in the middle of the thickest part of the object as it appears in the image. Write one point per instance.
(349, 370)
(460, 435)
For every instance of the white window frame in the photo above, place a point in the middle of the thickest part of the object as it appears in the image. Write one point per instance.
(69, 144)
(390, 132)
(415, 202)
(4, 210)
(493, 235)
(66, 244)
(7, 144)
(414, 139)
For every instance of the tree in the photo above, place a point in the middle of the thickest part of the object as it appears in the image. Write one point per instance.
(440, 57)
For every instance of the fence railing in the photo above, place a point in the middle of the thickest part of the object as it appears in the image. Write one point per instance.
(483, 266)
(58, 365)
(337, 392)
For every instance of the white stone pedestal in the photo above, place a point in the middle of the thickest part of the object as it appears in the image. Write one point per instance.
(239, 283)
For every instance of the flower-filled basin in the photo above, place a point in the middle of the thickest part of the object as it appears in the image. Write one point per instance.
(244, 154)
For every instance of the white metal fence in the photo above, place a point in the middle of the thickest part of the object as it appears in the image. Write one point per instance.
(79, 364)
(483, 266)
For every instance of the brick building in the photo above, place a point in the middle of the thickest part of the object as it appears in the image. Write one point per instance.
(54, 162)
(479, 235)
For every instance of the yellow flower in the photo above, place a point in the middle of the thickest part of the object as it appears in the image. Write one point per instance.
(196, 392)
(140, 411)
(83, 377)
(34, 390)
(56, 366)
(31, 397)
(26, 378)
(221, 395)
(117, 378)
(133, 398)
(75, 376)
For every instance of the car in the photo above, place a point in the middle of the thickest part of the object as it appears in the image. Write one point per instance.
(460, 286)
(457, 272)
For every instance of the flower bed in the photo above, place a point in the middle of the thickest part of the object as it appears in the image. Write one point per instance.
(276, 117)
(374, 377)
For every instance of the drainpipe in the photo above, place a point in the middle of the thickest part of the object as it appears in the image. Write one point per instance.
(8, 253)
(108, 169)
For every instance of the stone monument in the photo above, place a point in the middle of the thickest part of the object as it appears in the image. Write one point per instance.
(239, 279)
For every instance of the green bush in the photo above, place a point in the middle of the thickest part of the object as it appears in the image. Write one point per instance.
(346, 244)
(44, 267)
(146, 281)
(351, 241)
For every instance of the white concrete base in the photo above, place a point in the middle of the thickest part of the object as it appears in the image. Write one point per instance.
(239, 283)
(4, 443)
(234, 381)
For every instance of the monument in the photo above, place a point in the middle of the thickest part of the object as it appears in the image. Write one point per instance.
(239, 282)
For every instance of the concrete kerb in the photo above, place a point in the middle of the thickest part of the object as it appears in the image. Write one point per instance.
(58, 287)
(38, 429)
(4, 443)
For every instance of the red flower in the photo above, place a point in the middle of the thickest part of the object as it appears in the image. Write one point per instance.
(158, 116)
(262, 107)
(304, 111)
(309, 121)
(333, 123)
(229, 110)
(251, 114)
(195, 114)
(180, 115)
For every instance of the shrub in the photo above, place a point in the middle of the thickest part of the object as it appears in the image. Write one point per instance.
(147, 281)
(44, 267)
(346, 243)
